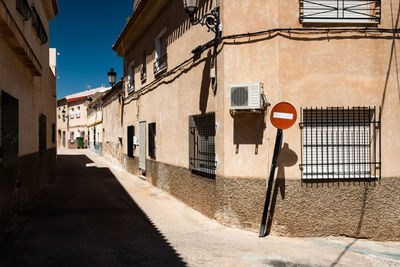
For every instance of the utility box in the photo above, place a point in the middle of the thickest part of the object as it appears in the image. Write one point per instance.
(246, 96)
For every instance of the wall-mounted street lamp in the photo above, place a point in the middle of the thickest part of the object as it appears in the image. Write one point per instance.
(211, 19)
(89, 100)
(111, 77)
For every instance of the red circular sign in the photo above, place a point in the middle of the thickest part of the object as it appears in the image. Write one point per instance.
(283, 115)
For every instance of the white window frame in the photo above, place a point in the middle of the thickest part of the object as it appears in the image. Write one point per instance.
(72, 137)
(78, 112)
(131, 77)
(158, 49)
(71, 113)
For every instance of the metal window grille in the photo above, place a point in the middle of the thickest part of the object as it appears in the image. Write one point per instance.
(143, 73)
(42, 133)
(24, 9)
(160, 64)
(202, 157)
(152, 139)
(38, 26)
(340, 143)
(356, 11)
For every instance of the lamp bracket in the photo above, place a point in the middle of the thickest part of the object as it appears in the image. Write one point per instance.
(211, 20)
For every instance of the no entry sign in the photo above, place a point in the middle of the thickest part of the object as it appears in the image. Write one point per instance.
(283, 115)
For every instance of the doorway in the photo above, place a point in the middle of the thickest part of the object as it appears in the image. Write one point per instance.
(142, 145)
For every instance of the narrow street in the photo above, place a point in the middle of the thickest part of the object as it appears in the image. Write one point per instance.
(95, 214)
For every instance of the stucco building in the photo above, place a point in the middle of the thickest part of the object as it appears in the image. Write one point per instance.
(73, 118)
(113, 123)
(95, 122)
(189, 98)
(27, 101)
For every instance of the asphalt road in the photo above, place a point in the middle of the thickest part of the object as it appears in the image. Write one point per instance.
(84, 218)
(96, 214)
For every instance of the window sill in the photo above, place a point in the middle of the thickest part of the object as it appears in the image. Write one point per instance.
(159, 71)
(336, 22)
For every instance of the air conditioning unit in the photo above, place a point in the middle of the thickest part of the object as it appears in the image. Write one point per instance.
(246, 96)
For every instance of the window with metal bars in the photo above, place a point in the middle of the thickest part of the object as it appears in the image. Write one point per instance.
(202, 157)
(38, 26)
(152, 139)
(336, 11)
(24, 9)
(340, 143)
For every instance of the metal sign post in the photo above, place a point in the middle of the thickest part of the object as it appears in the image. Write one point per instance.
(283, 116)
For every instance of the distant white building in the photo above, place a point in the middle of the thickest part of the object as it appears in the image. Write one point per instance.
(72, 119)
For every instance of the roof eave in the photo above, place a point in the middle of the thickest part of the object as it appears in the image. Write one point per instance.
(138, 10)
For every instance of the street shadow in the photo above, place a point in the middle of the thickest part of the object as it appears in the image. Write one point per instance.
(358, 232)
(85, 218)
(393, 56)
(205, 84)
(287, 158)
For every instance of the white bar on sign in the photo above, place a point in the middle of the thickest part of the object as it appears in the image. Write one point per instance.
(281, 115)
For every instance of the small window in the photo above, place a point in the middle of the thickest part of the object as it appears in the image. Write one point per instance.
(160, 63)
(72, 138)
(340, 143)
(152, 139)
(78, 112)
(131, 77)
(202, 157)
(71, 113)
(143, 72)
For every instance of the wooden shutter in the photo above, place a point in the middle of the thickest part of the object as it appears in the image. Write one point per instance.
(130, 135)
(152, 139)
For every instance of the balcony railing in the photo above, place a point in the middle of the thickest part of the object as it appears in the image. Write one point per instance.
(160, 64)
(24, 9)
(340, 11)
(143, 74)
(131, 86)
(38, 26)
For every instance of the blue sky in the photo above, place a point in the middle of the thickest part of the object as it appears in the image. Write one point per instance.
(83, 34)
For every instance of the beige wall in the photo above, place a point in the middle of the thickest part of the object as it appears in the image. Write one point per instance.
(334, 70)
(170, 101)
(112, 126)
(62, 123)
(307, 69)
(25, 74)
(36, 94)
